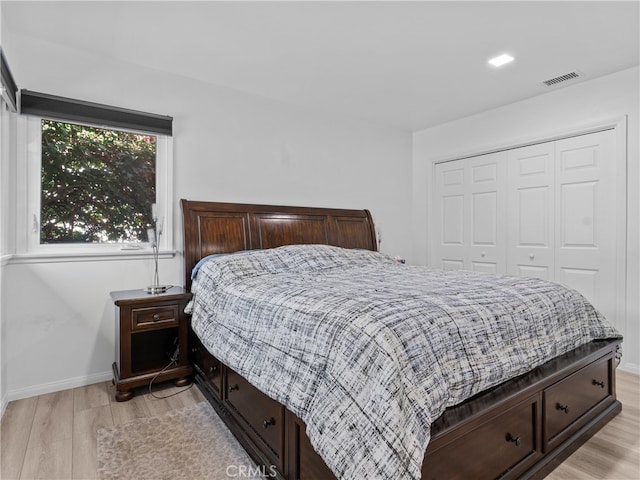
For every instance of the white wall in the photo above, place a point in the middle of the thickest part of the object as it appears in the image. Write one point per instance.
(228, 146)
(570, 108)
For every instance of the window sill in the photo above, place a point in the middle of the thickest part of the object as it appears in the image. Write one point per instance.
(60, 257)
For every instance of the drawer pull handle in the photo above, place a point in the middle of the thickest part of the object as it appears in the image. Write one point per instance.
(213, 369)
(599, 384)
(156, 317)
(266, 423)
(234, 387)
(564, 408)
(515, 440)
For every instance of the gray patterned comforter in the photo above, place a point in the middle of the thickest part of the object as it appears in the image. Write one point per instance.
(369, 352)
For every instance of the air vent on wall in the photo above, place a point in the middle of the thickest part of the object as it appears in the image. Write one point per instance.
(562, 78)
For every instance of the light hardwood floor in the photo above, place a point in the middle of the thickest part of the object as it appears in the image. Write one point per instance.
(53, 436)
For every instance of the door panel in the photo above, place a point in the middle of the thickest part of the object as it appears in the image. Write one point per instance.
(487, 212)
(484, 214)
(533, 220)
(452, 264)
(470, 214)
(543, 273)
(484, 267)
(530, 194)
(450, 246)
(578, 210)
(453, 220)
(585, 217)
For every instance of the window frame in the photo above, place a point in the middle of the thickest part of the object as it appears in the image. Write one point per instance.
(28, 243)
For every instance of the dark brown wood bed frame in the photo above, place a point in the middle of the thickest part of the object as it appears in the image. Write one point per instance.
(522, 428)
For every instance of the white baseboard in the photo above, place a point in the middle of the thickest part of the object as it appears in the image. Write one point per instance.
(630, 367)
(61, 385)
(3, 405)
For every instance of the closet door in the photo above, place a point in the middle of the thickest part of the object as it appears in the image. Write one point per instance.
(487, 213)
(451, 236)
(531, 196)
(470, 209)
(585, 217)
(550, 211)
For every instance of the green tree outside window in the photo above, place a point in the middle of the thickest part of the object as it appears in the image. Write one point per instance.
(97, 184)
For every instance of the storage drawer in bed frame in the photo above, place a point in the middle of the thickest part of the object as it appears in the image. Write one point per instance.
(504, 442)
(511, 431)
(261, 417)
(207, 368)
(570, 402)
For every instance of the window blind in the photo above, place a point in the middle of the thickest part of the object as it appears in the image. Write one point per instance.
(72, 110)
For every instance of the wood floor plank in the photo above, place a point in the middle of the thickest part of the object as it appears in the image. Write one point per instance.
(125, 412)
(14, 435)
(159, 406)
(53, 419)
(48, 461)
(191, 397)
(568, 471)
(85, 433)
(90, 396)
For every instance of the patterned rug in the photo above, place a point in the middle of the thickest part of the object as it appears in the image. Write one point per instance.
(191, 443)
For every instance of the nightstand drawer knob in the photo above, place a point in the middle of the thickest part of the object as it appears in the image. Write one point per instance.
(234, 387)
(266, 423)
(156, 317)
(564, 408)
(599, 383)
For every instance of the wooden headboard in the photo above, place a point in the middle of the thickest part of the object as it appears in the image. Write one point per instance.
(211, 227)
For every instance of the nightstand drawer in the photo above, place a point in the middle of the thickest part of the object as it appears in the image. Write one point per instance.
(154, 317)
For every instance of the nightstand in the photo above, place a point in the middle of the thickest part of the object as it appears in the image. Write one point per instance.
(150, 330)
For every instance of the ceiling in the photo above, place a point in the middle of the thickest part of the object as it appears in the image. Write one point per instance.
(409, 65)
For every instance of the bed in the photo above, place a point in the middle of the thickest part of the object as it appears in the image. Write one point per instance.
(517, 428)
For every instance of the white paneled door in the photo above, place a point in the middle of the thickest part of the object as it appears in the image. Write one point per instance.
(450, 232)
(470, 213)
(545, 210)
(531, 200)
(585, 217)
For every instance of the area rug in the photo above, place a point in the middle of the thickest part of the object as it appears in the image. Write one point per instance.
(191, 443)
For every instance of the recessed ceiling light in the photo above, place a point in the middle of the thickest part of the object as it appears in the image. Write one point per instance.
(501, 60)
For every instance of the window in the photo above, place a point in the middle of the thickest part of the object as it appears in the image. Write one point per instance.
(91, 188)
(97, 184)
